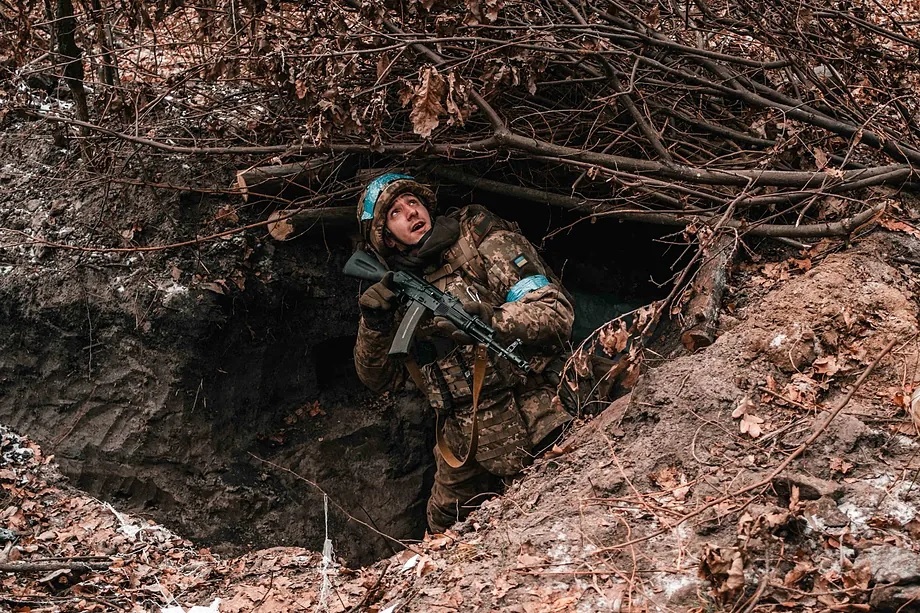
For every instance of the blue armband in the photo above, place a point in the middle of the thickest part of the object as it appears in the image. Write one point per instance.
(525, 286)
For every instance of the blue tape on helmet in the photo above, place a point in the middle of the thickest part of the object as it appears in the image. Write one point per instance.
(525, 286)
(373, 192)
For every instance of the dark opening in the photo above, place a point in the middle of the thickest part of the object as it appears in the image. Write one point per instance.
(335, 365)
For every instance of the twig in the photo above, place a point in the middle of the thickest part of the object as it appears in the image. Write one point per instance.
(371, 592)
(26, 567)
(268, 590)
(761, 588)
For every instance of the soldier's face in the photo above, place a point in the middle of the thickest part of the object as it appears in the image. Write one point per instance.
(407, 220)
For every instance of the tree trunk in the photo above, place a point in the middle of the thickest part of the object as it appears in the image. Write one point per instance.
(66, 28)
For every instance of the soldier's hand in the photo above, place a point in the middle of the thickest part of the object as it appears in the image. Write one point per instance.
(378, 304)
(379, 296)
(446, 328)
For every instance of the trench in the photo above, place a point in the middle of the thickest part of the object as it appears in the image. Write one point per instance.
(229, 416)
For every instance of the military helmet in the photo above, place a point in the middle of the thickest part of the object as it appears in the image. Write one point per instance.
(377, 199)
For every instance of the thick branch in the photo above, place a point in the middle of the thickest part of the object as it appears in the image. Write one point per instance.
(742, 177)
(843, 227)
(702, 311)
(29, 567)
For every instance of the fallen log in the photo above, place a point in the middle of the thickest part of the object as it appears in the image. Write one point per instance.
(286, 182)
(290, 223)
(702, 311)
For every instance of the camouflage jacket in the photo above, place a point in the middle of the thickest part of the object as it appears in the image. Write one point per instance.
(493, 263)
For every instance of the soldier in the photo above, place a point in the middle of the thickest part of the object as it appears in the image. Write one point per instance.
(497, 274)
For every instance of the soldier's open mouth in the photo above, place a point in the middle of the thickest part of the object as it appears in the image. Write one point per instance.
(418, 226)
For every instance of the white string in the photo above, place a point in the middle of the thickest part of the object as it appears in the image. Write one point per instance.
(327, 561)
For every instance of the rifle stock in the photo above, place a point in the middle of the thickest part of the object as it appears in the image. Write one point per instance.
(363, 266)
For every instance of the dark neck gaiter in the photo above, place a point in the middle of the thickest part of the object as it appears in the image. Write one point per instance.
(444, 232)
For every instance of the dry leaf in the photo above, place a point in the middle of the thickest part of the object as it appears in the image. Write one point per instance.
(300, 89)
(680, 493)
(840, 465)
(227, 215)
(750, 424)
(501, 587)
(826, 366)
(801, 390)
(458, 107)
(794, 499)
(525, 560)
(857, 577)
(613, 337)
(771, 383)
(217, 288)
(666, 478)
(438, 542)
(426, 102)
(425, 566)
(557, 451)
(483, 11)
(411, 562)
(896, 225)
(745, 405)
(801, 570)
(564, 604)
(735, 580)
(723, 567)
(383, 66)
(820, 158)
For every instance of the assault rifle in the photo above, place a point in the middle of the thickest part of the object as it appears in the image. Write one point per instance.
(422, 296)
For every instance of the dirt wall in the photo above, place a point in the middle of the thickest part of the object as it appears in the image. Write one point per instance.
(170, 406)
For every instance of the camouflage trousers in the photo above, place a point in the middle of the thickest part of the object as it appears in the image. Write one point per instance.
(458, 491)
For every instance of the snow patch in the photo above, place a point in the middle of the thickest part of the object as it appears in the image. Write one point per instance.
(671, 584)
(173, 292)
(214, 607)
(778, 340)
(892, 499)
(857, 517)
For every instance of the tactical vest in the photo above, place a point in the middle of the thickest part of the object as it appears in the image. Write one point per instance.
(504, 441)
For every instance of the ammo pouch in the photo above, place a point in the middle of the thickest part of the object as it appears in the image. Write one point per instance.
(450, 380)
(504, 443)
(503, 440)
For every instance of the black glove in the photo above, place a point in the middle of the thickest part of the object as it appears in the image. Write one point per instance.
(378, 303)
(446, 328)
